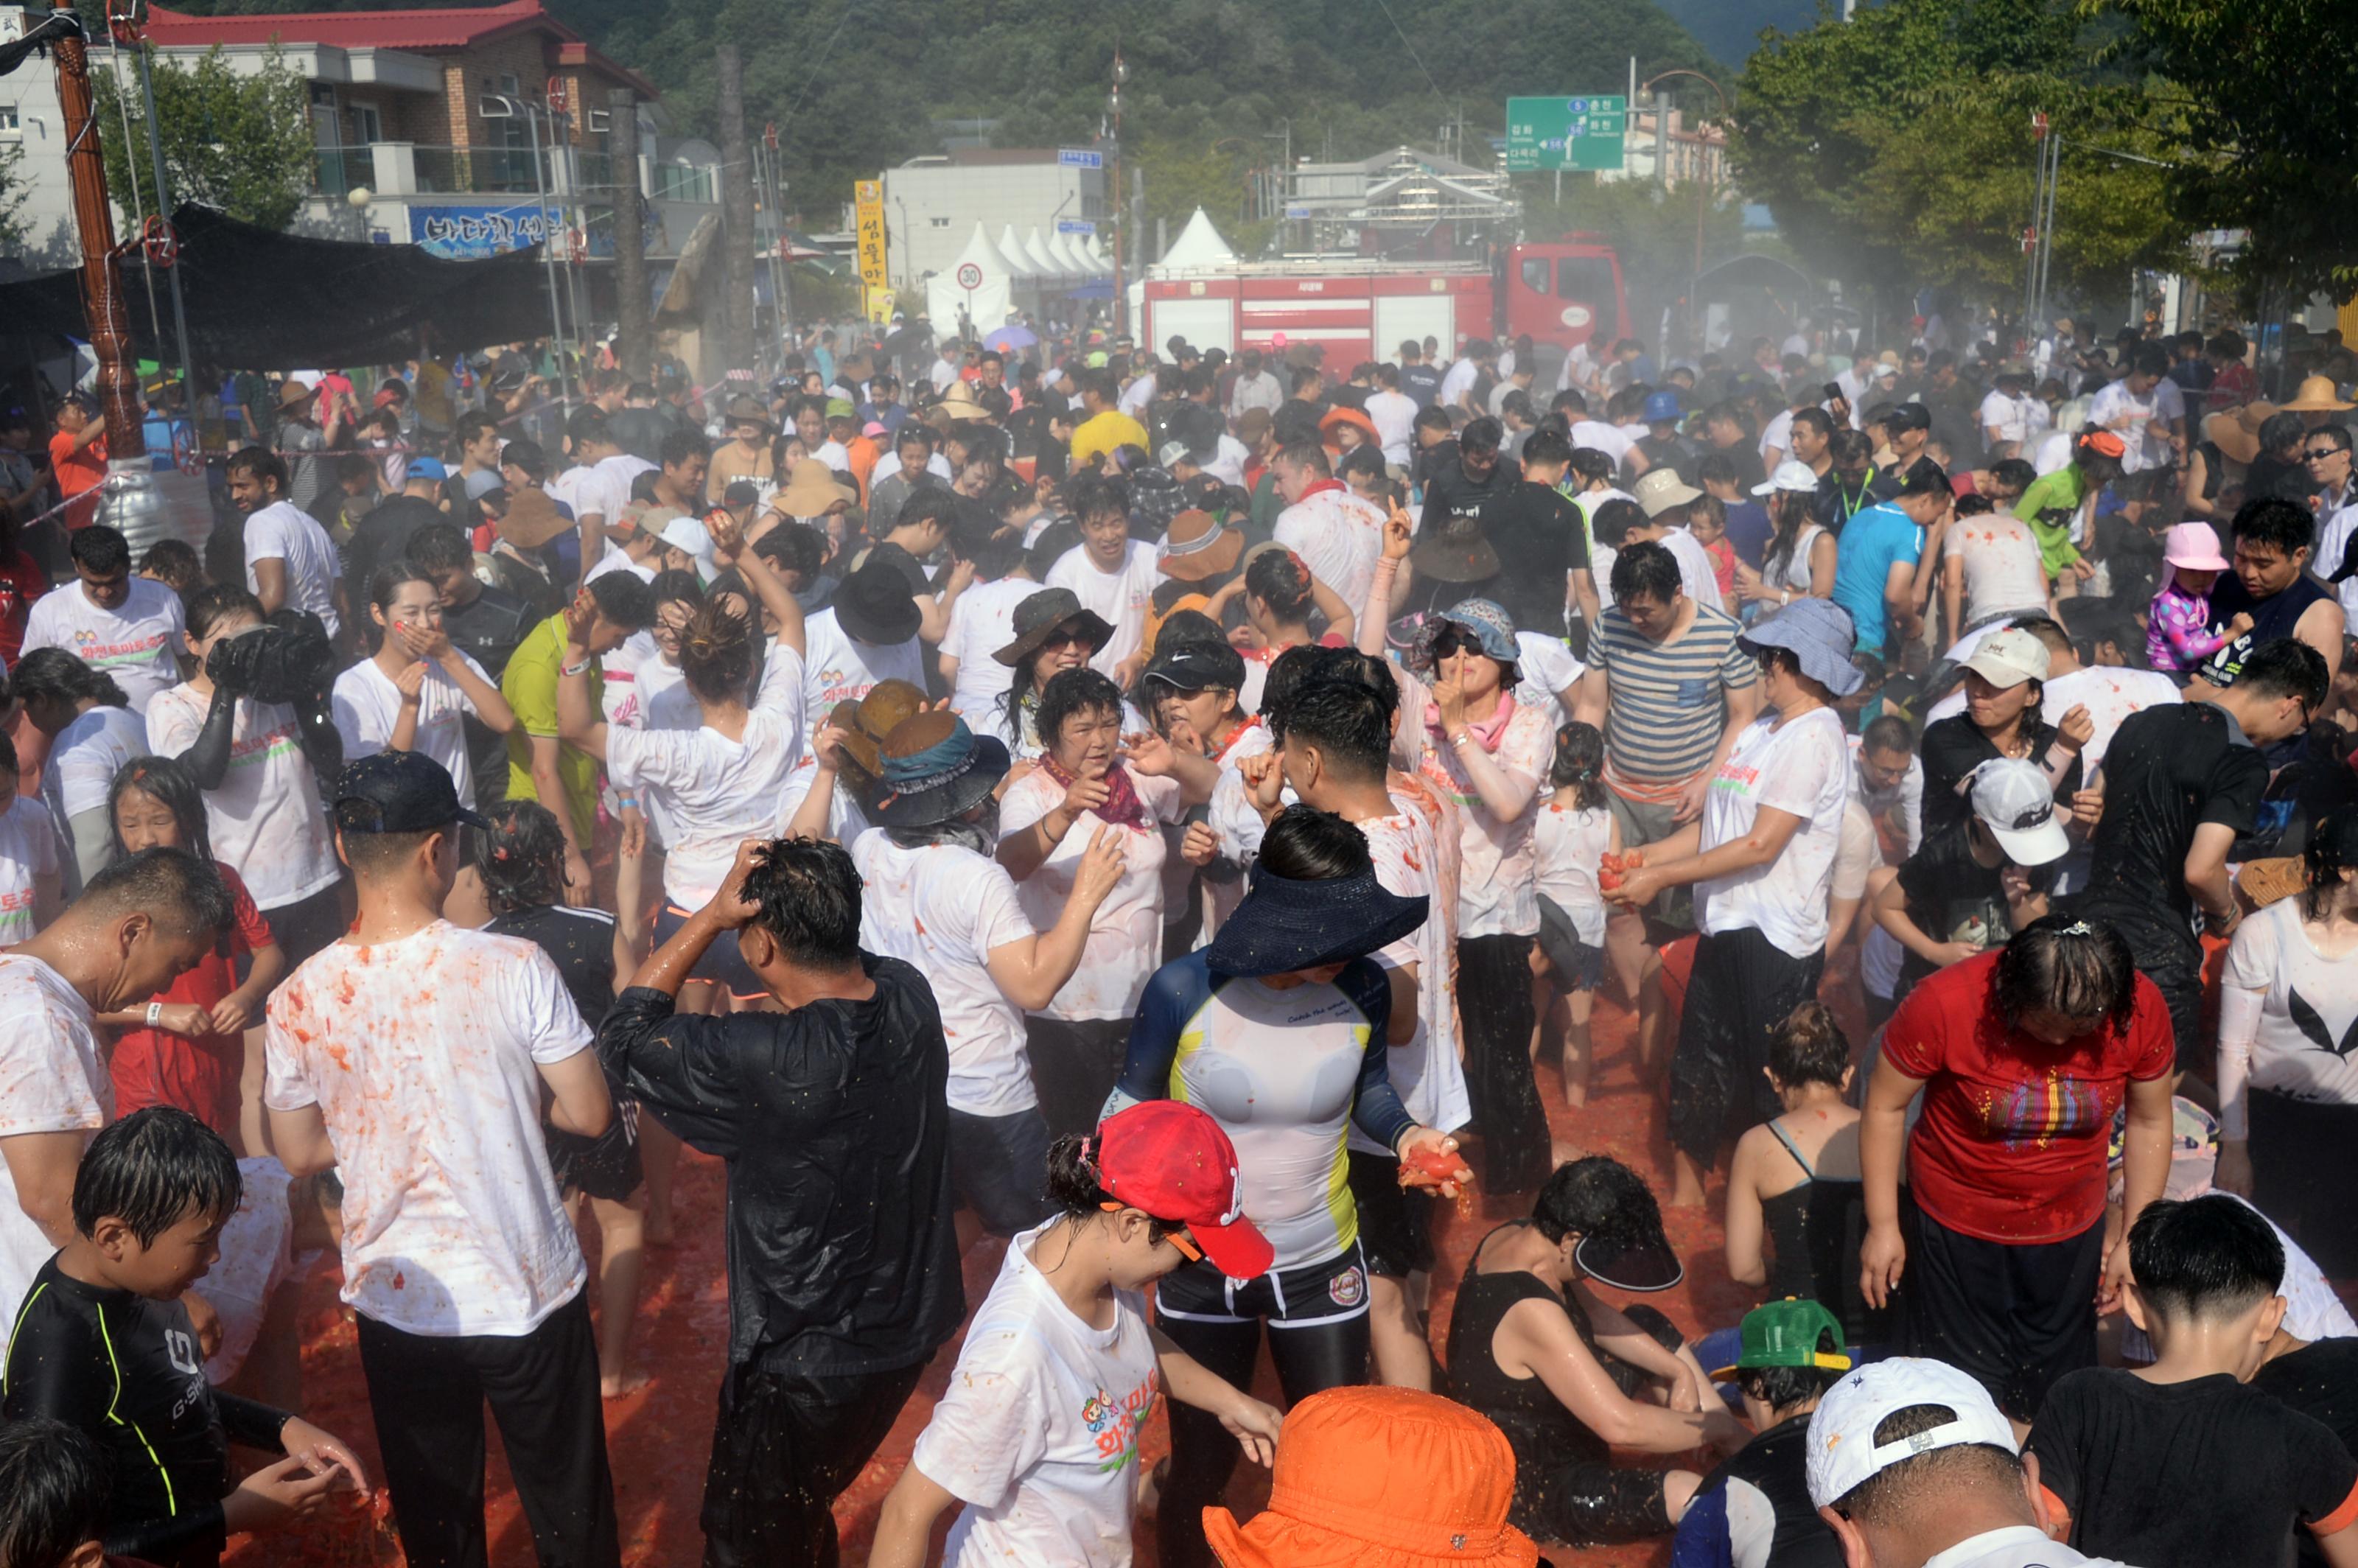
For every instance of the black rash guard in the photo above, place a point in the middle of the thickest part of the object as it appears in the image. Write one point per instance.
(125, 1370)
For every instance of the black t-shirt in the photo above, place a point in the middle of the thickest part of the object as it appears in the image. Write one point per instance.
(2321, 1381)
(907, 565)
(1421, 382)
(2169, 770)
(1450, 493)
(490, 627)
(1669, 452)
(2204, 1474)
(579, 942)
(1749, 469)
(382, 537)
(1537, 535)
(1953, 748)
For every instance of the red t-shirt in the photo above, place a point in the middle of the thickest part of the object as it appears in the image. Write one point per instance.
(78, 472)
(199, 1075)
(22, 580)
(2010, 1146)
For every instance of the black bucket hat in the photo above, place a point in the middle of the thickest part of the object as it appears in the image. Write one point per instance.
(935, 769)
(874, 605)
(1284, 924)
(1042, 613)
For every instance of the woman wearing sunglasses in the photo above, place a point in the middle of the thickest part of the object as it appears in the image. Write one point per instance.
(1037, 1435)
(1053, 632)
(1761, 861)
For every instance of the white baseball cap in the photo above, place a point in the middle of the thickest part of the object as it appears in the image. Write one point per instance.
(2017, 804)
(1791, 474)
(1843, 1449)
(684, 533)
(2009, 656)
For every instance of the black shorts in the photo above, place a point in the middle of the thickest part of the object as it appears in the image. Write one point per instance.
(1327, 1291)
(2013, 1317)
(1395, 1231)
(998, 1168)
(1572, 964)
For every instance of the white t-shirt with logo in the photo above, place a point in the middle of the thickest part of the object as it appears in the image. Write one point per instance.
(1125, 943)
(711, 793)
(265, 819)
(983, 621)
(1801, 767)
(51, 1081)
(423, 1055)
(29, 851)
(1121, 596)
(135, 644)
(837, 669)
(1425, 1072)
(2132, 417)
(1037, 1433)
(284, 532)
(944, 909)
(368, 709)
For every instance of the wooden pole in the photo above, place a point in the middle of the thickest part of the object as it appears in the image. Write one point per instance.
(635, 344)
(102, 276)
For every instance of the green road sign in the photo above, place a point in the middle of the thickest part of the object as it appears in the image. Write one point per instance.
(1565, 132)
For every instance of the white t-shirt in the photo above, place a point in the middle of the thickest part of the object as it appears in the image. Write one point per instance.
(671, 706)
(1903, 804)
(2119, 409)
(1857, 853)
(135, 644)
(1598, 435)
(51, 1081)
(266, 821)
(2004, 572)
(944, 908)
(85, 756)
(1120, 596)
(1338, 537)
(29, 851)
(1037, 1431)
(1457, 380)
(1547, 669)
(837, 669)
(983, 621)
(1426, 1071)
(1393, 414)
(845, 821)
(1135, 397)
(635, 673)
(1125, 943)
(368, 708)
(588, 488)
(1570, 845)
(284, 532)
(2332, 544)
(2298, 1055)
(618, 560)
(1776, 436)
(1803, 767)
(423, 1055)
(1496, 893)
(1698, 573)
(711, 793)
(2110, 696)
(2009, 416)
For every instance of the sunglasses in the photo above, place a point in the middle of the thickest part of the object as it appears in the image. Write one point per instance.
(1450, 644)
(2324, 454)
(1065, 640)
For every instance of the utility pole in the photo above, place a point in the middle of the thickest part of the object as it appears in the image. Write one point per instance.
(102, 278)
(1120, 312)
(1662, 137)
(736, 204)
(164, 212)
(635, 345)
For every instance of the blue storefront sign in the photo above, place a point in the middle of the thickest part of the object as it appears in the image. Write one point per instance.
(473, 232)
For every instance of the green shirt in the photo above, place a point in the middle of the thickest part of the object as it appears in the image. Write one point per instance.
(529, 684)
(2048, 506)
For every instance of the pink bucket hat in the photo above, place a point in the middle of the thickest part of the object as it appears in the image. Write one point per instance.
(2194, 546)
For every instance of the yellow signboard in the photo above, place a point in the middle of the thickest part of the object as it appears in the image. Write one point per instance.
(869, 203)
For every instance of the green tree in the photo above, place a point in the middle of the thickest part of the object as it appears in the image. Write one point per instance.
(1896, 148)
(13, 196)
(239, 143)
(2263, 93)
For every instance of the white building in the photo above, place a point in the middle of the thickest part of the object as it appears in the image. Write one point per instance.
(932, 204)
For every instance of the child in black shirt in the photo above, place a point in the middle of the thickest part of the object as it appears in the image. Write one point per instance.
(104, 1345)
(2178, 1465)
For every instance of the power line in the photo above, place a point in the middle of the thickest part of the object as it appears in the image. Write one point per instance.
(842, 16)
(1437, 92)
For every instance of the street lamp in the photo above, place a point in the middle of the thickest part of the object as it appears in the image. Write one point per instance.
(1703, 185)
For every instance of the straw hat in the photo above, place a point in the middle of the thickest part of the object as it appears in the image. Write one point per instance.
(532, 520)
(2317, 396)
(810, 489)
(961, 404)
(2236, 433)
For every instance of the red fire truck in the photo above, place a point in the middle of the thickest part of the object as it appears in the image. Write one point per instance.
(1563, 292)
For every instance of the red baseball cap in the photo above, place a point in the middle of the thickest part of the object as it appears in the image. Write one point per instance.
(1173, 1162)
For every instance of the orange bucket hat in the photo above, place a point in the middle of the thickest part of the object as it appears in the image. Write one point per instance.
(1373, 1477)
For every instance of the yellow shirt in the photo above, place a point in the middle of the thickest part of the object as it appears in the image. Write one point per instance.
(1102, 433)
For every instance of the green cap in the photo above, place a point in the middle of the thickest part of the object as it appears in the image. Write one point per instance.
(1787, 1333)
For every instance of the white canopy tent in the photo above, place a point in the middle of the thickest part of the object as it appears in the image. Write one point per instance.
(1199, 248)
(1036, 251)
(1094, 253)
(1068, 260)
(1011, 252)
(986, 304)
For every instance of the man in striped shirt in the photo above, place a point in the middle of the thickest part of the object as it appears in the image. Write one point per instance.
(1671, 689)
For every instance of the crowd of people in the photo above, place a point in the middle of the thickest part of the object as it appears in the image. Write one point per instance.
(1153, 824)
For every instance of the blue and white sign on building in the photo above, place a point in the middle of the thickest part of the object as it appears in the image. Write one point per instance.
(1079, 157)
(1075, 226)
(475, 233)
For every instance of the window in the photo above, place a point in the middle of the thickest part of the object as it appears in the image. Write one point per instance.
(322, 94)
(509, 84)
(1535, 274)
(939, 222)
(10, 126)
(367, 128)
(600, 121)
(1588, 279)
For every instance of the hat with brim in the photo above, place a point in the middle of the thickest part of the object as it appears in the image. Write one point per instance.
(2317, 396)
(1793, 474)
(2007, 657)
(961, 404)
(1456, 551)
(694, 540)
(1786, 1333)
(1377, 1478)
(935, 770)
(1662, 489)
(291, 393)
(1197, 546)
(2015, 804)
(811, 488)
(1044, 612)
(875, 606)
(1642, 1264)
(532, 520)
(867, 721)
(2236, 433)
(1819, 633)
(1285, 925)
(1486, 622)
(747, 411)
